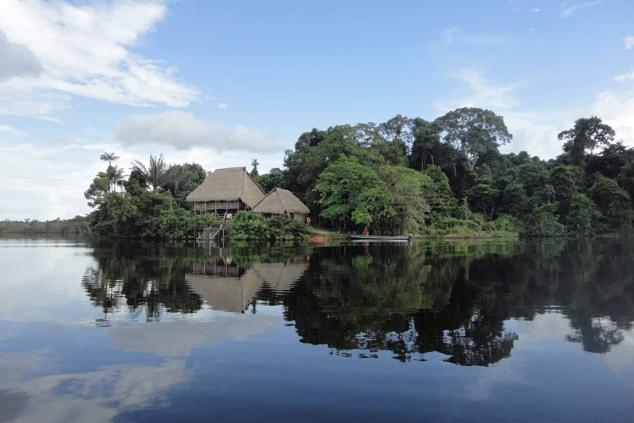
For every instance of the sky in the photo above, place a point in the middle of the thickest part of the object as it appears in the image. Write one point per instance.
(220, 83)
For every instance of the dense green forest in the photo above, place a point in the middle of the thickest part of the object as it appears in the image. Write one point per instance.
(449, 177)
(440, 178)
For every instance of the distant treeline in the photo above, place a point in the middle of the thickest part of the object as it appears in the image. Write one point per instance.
(75, 226)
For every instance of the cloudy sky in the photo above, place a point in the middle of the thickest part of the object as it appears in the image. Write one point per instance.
(222, 82)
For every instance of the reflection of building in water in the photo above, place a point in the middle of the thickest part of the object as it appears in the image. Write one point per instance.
(280, 276)
(233, 288)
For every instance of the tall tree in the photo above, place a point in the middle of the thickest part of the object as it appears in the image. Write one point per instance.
(109, 157)
(587, 135)
(473, 131)
(254, 169)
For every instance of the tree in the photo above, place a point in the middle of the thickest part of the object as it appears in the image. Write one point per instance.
(154, 173)
(399, 131)
(473, 131)
(352, 194)
(410, 203)
(587, 135)
(109, 157)
(482, 198)
(274, 179)
(180, 180)
(583, 212)
(115, 176)
(254, 170)
(98, 189)
(613, 203)
(426, 146)
(566, 181)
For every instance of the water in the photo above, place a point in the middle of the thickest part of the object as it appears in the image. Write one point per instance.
(481, 331)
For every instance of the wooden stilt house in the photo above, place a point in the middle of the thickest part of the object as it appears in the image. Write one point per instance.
(225, 192)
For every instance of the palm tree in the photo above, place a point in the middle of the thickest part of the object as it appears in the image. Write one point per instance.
(115, 175)
(109, 157)
(154, 173)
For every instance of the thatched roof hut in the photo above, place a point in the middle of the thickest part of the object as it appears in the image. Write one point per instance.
(282, 202)
(230, 189)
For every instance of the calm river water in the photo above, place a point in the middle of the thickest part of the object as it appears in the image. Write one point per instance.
(442, 331)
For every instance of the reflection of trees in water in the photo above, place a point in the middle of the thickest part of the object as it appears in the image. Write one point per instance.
(151, 278)
(395, 298)
(456, 297)
(141, 276)
(449, 297)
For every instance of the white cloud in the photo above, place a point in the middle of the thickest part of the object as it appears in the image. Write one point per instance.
(617, 110)
(183, 130)
(83, 49)
(482, 91)
(57, 176)
(570, 8)
(6, 129)
(629, 42)
(536, 10)
(16, 59)
(535, 132)
(625, 77)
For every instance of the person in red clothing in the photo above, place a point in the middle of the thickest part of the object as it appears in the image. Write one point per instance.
(366, 232)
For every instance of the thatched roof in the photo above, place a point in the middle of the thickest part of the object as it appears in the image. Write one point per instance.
(229, 184)
(279, 201)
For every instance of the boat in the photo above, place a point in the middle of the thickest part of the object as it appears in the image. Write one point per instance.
(385, 238)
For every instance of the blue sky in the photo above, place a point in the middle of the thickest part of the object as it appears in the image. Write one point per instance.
(222, 82)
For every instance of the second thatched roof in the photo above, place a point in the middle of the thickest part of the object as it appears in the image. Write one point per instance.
(280, 201)
(230, 184)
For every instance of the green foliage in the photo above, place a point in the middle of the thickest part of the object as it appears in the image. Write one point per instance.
(474, 132)
(180, 180)
(274, 179)
(542, 222)
(154, 173)
(116, 216)
(254, 227)
(146, 215)
(582, 215)
(177, 223)
(613, 203)
(99, 187)
(587, 135)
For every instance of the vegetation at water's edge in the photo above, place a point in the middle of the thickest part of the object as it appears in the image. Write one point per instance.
(441, 178)
(254, 227)
(75, 226)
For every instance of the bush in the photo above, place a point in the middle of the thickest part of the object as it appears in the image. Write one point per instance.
(544, 222)
(254, 227)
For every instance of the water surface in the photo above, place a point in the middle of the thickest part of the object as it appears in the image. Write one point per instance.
(445, 331)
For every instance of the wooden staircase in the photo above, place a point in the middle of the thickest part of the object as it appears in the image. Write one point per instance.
(212, 233)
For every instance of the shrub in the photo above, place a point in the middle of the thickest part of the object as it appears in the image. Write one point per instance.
(254, 227)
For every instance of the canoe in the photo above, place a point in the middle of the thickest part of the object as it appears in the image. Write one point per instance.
(399, 238)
